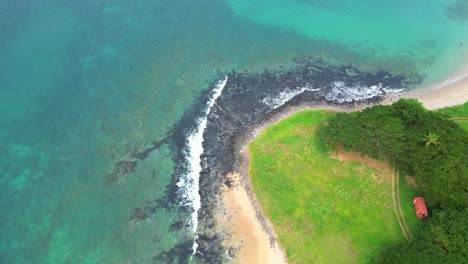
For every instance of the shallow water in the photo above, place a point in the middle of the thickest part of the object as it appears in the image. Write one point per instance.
(87, 84)
(417, 35)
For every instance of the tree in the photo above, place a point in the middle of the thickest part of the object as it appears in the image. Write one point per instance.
(444, 240)
(375, 132)
(410, 111)
(431, 139)
(447, 229)
(414, 252)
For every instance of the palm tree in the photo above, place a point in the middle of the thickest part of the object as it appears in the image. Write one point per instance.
(431, 139)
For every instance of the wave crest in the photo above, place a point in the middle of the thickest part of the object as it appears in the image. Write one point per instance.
(189, 182)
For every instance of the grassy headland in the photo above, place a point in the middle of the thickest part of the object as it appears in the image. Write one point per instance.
(324, 210)
(330, 206)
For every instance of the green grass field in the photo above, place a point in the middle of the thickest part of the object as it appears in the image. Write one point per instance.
(459, 113)
(462, 122)
(323, 210)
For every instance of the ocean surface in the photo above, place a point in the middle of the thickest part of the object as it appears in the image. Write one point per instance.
(104, 105)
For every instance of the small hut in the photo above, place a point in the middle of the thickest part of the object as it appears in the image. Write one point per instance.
(420, 207)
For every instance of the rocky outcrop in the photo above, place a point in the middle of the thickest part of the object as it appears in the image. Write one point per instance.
(247, 100)
(250, 98)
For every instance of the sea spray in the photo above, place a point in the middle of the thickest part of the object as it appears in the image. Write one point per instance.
(285, 96)
(340, 92)
(189, 182)
(335, 92)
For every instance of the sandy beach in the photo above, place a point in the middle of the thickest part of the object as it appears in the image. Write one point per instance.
(241, 216)
(254, 244)
(451, 92)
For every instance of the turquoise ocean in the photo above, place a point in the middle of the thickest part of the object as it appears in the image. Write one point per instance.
(84, 84)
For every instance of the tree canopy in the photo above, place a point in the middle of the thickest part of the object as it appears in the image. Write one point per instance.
(432, 147)
(444, 240)
(428, 144)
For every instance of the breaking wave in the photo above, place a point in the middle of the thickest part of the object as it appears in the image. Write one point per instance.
(285, 96)
(336, 92)
(342, 93)
(188, 183)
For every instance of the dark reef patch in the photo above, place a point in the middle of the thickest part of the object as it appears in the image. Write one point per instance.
(458, 11)
(176, 255)
(124, 167)
(121, 169)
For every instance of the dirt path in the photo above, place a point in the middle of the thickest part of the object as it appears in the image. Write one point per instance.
(397, 204)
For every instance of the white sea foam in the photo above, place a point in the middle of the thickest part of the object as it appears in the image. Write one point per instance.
(189, 183)
(387, 90)
(285, 96)
(341, 93)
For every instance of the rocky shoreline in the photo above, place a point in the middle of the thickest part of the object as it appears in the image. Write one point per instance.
(248, 101)
(242, 108)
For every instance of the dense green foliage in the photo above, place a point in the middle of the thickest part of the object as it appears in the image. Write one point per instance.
(427, 143)
(455, 111)
(375, 132)
(444, 240)
(434, 148)
(324, 210)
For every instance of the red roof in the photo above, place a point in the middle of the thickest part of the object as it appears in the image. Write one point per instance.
(420, 207)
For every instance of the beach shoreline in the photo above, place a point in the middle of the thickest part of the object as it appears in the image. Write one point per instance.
(452, 91)
(240, 214)
(251, 234)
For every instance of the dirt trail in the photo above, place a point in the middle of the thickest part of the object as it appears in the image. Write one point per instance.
(397, 204)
